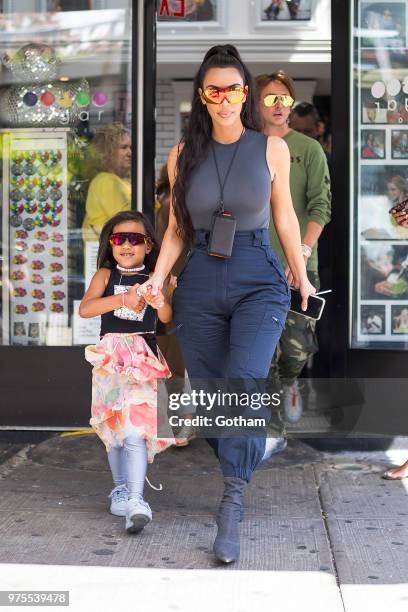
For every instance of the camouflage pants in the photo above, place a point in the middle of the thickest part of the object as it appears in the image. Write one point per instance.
(297, 343)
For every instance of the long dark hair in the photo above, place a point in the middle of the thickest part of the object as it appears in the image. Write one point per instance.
(199, 129)
(163, 183)
(105, 257)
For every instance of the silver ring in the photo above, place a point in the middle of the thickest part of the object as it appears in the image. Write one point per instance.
(138, 292)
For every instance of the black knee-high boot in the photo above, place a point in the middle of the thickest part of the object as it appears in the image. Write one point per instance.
(226, 545)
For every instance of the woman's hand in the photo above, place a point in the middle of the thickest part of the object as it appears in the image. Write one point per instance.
(292, 280)
(401, 217)
(154, 296)
(151, 289)
(306, 289)
(155, 301)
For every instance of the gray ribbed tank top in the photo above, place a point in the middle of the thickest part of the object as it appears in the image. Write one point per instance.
(247, 192)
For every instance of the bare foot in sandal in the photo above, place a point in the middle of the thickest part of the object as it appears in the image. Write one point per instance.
(397, 473)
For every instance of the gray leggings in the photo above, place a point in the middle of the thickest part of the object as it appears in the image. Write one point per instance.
(128, 464)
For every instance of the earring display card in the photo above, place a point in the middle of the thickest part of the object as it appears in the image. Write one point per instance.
(37, 236)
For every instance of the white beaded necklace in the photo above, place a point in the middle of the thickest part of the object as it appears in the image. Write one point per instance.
(118, 267)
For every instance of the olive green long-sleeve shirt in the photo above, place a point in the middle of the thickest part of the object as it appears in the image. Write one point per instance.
(310, 189)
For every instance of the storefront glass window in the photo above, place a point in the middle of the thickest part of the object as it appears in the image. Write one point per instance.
(65, 99)
(379, 175)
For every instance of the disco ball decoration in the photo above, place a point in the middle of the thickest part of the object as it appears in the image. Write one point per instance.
(33, 63)
(46, 105)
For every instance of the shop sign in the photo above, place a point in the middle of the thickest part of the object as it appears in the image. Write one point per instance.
(177, 8)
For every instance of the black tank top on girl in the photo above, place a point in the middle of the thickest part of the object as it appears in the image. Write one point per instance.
(110, 324)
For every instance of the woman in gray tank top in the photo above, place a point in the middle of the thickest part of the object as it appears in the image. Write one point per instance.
(229, 311)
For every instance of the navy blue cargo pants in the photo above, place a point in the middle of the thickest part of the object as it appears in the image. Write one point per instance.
(229, 315)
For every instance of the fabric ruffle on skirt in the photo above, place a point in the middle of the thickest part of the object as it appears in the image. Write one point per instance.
(128, 355)
(124, 391)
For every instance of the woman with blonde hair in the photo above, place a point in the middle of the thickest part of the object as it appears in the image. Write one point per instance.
(109, 172)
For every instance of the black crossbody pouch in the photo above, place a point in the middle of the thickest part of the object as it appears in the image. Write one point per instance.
(222, 234)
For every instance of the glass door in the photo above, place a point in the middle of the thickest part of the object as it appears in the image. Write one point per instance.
(379, 175)
(66, 118)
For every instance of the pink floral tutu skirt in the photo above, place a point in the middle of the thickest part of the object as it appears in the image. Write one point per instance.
(124, 391)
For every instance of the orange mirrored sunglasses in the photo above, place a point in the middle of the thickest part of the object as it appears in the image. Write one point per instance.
(216, 95)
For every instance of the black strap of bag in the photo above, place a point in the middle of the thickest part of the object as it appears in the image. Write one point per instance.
(223, 223)
(223, 183)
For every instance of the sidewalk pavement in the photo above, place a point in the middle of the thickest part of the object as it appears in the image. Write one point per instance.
(322, 532)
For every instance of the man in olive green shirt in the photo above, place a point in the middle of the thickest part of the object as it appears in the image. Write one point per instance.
(311, 196)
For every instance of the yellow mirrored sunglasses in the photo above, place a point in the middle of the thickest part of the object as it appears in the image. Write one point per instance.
(272, 99)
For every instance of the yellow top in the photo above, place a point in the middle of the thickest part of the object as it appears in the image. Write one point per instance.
(108, 194)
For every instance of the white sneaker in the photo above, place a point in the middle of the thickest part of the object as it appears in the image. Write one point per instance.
(138, 515)
(292, 403)
(119, 498)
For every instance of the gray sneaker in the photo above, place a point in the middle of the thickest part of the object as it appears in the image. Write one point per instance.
(138, 515)
(292, 403)
(119, 498)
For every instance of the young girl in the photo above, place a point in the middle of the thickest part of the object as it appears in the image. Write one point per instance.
(127, 362)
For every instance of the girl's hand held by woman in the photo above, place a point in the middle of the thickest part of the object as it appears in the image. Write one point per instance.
(133, 299)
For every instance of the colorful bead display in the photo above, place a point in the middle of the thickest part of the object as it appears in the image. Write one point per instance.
(15, 195)
(40, 221)
(36, 196)
(16, 221)
(56, 251)
(57, 280)
(37, 247)
(16, 208)
(55, 266)
(30, 208)
(19, 259)
(19, 292)
(38, 294)
(21, 246)
(28, 224)
(55, 307)
(57, 295)
(20, 309)
(37, 279)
